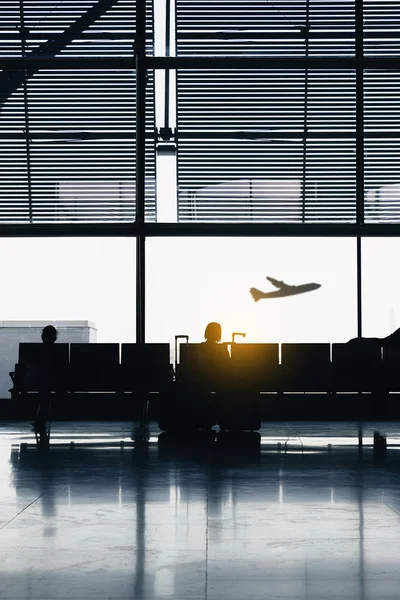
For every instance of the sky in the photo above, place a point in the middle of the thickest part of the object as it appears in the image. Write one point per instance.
(191, 281)
(91, 279)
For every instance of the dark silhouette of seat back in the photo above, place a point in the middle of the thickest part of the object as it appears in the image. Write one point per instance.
(197, 368)
(145, 366)
(305, 367)
(94, 354)
(35, 353)
(356, 367)
(94, 367)
(391, 368)
(40, 365)
(255, 366)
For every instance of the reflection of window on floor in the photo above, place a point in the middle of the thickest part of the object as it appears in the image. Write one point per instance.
(383, 203)
(243, 199)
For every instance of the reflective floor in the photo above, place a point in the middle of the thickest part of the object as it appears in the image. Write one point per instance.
(305, 514)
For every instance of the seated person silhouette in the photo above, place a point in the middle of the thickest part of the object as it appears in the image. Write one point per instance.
(390, 341)
(48, 376)
(49, 335)
(212, 350)
(205, 376)
(381, 387)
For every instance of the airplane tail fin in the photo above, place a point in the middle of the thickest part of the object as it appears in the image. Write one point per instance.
(257, 294)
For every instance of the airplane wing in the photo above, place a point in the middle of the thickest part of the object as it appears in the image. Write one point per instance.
(278, 284)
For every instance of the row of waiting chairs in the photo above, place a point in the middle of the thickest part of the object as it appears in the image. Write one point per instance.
(262, 367)
(98, 367)
(227, 392)
(307, 367)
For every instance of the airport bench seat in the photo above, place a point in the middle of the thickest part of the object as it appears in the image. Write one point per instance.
(391, 369)
(236, 389)
(33, 371)
(145, 367)
(305, 368)
(229, 391)
(356, 368)
(95, 367)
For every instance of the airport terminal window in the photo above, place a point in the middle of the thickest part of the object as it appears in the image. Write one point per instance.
(382, 146)
(380, 286)
(289, 157)
(191, 281)
(78, 279)
(68, 144)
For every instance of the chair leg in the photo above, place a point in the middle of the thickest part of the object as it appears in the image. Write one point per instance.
(43, 417)
(141, 434)
(360, 437)
(145, 412)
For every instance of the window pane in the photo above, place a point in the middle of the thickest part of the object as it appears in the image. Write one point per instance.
(381, 27)
(191, 281)
(260, 28)
(382, 146)
(289, 157)
(380, 289)
(64, 281)
(67, 135)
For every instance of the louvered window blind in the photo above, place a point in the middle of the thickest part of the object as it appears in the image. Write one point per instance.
(280, 145)
(242, 153)
(381, 27)
(67, 136)
(265, 27)
(382, 113)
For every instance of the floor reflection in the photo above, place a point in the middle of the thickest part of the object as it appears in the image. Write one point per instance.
(302, 514)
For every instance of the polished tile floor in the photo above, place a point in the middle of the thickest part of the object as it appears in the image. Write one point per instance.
(305, 514)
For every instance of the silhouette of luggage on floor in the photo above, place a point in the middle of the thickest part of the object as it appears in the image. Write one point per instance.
(193, 404)
(254, 368)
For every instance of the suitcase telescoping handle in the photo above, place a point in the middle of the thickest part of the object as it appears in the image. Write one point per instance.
(235, 333)
(179, 337)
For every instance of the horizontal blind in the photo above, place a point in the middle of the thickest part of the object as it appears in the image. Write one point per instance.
(72, 27)
(381, 27)
(382, 146)
(67, 137)
(266, 146)
(263, 28)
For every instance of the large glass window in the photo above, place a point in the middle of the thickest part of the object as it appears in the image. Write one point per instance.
(382, 146)
(289, 156)
(67, 135)
(380, 286)
(85, 286)
(71, 278)
(191, 281)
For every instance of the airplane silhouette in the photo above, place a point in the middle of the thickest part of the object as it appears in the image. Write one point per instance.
(284, 290)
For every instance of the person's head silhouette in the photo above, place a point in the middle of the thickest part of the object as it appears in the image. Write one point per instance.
(49, 334)
(213, 333)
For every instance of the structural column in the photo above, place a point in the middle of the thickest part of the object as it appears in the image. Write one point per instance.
(140, 64)
(359, 150)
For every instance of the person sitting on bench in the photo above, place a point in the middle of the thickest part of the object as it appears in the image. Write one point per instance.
(390, 341)
(211, 348)
(213, 372)
(48, 374)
